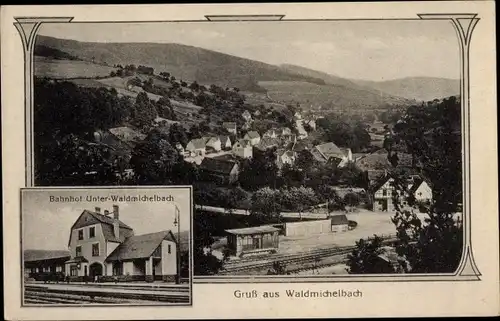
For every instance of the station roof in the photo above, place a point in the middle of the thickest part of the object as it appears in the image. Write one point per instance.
(253, 230)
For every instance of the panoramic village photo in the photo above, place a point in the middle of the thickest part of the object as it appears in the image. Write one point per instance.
(106, 246)
(312, 147)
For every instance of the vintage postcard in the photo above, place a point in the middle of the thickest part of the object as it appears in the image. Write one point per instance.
(286, 160)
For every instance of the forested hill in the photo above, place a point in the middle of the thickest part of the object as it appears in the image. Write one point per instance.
(185, 62)
(419, 88)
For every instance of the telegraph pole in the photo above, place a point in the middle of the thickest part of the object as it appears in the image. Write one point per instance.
(177, 222)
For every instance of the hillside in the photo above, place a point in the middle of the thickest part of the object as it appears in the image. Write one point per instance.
(184, 62)
(419, 88)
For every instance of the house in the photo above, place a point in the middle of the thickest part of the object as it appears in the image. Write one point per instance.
(225, 142)
(252, 240)
(267, 143)
(325, 152)
(253, 137)
(247, 116)
(197, 147)
(284, 131)
(297, 115)
(311, 122)
(340, 223)
(102, 246)
(271, 133)
(414, 187)
(243, 148)
(230, 127)
(420, 189)
(213, 144)
(285, 157)
(220, 170)
(383, 193)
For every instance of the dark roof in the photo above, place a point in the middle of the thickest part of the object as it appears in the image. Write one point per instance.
(139, 246)
(217, 165)
(253, 134)
(77, 259)
(109, 233)
(39, 255)
(339, 219)
(329, 150)
(252, 230)
(107, 220)
(198, 143)
(224, 139)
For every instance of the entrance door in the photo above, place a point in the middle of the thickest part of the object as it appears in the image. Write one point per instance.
(384, 205)
(257, 244)
(95, 269)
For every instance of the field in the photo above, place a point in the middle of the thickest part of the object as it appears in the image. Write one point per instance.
(313, 95)
(64, 69)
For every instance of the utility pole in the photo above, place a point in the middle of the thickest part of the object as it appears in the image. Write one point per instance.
(177, 222)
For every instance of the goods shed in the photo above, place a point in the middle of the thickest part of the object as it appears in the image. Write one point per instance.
(250, 240)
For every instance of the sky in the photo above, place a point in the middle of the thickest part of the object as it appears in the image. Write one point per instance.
(46, 225)
(369, 50)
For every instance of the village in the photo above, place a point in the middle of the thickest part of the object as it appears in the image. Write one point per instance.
(285, 181)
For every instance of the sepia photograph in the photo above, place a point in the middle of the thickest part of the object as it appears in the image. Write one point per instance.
(313, 148)
(278, 160)
(106, 246)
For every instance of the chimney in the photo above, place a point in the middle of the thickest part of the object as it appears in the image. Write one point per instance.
(106, 212)
(116, 212)
(98, 210)
(116, 224)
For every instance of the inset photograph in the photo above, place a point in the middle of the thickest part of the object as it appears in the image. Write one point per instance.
(119, 246)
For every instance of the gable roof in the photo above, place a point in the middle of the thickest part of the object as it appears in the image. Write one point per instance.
(267, 142)
(106, 220)
(339, 219)
(252, 134)
(140, 246)
(217, 165)
(246, 113)
(39, 255)
(329, 150)
(224, 139)
(198, 143)
(244, 143)
(212, 140)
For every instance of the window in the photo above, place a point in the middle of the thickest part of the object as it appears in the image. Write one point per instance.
(95, 249)
(78, 251)
(59, 268)
(169, 249)
(384, 192)
(74, 270)
(80, 234)
(92, 232)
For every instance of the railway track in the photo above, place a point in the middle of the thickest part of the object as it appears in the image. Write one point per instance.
(259, 263)
(38, 294)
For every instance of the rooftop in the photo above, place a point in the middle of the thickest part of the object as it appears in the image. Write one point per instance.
(140, 246)
(252, 230)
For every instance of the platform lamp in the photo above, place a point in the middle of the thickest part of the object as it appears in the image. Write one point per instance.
(177, 222)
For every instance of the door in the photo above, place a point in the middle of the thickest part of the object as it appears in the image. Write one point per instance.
(257, 243)
(95, 269)
(384, 205)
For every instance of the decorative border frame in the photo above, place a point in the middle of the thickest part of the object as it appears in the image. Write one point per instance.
(152, 187)
(464, 24)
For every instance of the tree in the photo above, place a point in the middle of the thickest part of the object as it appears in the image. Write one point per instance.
(154, 161)
(278, 268)
(144, 111)
(365, 258)
(178, 135)
(432, 135)
(265, 201)
(205, 262)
